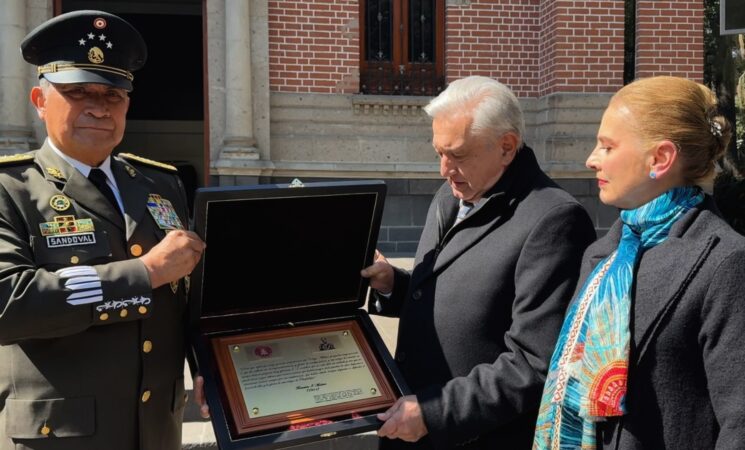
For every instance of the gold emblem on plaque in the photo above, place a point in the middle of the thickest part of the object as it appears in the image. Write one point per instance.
(59, 202)
(373, 391)
(55, 172)
(255, 411)
(95, 55)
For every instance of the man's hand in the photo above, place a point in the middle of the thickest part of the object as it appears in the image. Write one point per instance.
(403, 420)
(380, 274)
(199, 398)
(173, 258)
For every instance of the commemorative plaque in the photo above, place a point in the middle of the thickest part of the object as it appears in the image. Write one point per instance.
(276, 324)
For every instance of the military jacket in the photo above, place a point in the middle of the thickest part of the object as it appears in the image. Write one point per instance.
(91, 357)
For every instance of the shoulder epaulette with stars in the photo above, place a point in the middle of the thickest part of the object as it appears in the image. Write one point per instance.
(9, 160)
(148, 162)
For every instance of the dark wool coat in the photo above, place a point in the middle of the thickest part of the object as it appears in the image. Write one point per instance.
(685, 388)
(481, 311)
(86, 376)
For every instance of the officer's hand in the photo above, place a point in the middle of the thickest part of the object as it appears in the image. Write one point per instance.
(173, 258)
(380, 274)
(199, 398)
(403, 420)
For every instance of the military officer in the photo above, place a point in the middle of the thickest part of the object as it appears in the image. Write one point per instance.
(94, 258)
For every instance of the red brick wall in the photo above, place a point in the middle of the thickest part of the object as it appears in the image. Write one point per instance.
(495, 38)
(536, 47)
(581, 46)
(670, 38)
(314, 46)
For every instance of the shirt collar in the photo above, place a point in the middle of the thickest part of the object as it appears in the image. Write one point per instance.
(83, 168)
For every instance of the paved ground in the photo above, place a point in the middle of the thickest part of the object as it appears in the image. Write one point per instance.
(198, 433)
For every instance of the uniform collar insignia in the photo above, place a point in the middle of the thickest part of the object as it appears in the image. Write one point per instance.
(55, 172)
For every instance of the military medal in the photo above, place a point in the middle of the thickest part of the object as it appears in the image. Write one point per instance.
(66, 231)
(162, 211)
(59, 202)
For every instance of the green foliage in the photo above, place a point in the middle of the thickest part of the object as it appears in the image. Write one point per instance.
(724, 69)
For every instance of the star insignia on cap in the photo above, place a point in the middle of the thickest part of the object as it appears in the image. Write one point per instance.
(81, 42)
(102, 37)
(91, 35)
(109, 45)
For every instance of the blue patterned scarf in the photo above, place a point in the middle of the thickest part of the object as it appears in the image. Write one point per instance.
(586, 381)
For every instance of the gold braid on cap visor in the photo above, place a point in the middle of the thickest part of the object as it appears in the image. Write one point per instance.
(59, 67)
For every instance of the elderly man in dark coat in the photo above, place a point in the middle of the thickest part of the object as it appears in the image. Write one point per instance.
(496, 266)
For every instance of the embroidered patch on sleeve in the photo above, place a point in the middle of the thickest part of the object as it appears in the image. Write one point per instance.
(84, 283)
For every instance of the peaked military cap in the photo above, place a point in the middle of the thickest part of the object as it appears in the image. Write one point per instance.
(86, 47)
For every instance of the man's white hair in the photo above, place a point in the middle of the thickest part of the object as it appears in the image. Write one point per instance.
(494, 108)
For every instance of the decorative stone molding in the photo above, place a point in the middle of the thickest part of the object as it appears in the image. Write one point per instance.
(389, 105)
(390, 136)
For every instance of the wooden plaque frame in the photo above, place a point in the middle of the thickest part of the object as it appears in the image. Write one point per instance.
(243, 424)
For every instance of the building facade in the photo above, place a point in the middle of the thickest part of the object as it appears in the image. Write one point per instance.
(334, 89)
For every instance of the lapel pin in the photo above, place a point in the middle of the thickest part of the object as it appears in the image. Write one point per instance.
(59, 202)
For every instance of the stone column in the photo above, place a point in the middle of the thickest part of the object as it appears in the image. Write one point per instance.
(239, 141)
(15, 127)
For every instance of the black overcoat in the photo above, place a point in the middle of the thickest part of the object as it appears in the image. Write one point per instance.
(482, 308)
(685, 388)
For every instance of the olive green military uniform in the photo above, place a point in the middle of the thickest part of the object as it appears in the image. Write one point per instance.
(91, 357)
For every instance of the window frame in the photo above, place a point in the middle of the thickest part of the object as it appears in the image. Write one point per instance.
(397, 76)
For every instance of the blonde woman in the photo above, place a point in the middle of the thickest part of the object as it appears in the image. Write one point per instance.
(652, 350)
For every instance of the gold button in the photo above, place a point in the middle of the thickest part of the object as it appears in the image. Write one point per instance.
(45, 430)
(145, 396)
(123, 313)
(136, 250)
(74, 260)
(104, 316)
(142, 309)
(147, 346)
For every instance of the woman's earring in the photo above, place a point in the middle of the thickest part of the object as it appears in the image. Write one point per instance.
(652, 175)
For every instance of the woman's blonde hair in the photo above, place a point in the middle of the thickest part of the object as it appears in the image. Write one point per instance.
(683, 112)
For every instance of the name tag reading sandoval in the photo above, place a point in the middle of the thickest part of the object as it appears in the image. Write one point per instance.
(67, 231)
